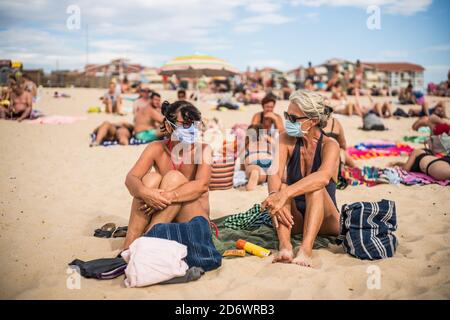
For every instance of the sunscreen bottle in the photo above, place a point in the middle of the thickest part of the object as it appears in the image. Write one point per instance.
(252, 248)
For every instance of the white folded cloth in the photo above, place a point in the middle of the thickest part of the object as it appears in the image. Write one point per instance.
(153, 260)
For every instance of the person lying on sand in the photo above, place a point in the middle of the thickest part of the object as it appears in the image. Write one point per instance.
(305, 202)
(436, 118)
(147, 116)
(258, 155)
(334, 130)
(108, 131)
(268, 119)
(383, 110)
(112, 100)
(423, 161)
(20, 106)
(177, 188)
(426, 111)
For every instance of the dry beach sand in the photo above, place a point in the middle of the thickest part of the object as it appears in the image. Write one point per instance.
(55, 191)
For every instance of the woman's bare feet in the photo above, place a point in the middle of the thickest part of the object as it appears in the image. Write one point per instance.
(303, 258)
(284, 255)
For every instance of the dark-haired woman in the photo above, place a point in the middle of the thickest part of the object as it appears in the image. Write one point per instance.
(267, 118)
(177, 189)
(305, 202)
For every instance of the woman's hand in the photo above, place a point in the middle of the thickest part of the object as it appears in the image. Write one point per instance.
(284, 216)
(275, 203)
(153, 199)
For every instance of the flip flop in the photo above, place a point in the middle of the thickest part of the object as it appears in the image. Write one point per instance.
(120, 232)
(105, 231)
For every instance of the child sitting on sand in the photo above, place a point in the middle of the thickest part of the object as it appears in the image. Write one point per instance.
(258, 155)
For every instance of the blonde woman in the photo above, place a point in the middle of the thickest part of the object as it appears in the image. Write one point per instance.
(305, 201)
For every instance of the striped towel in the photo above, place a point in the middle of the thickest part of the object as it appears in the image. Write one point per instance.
(366, 229)
(251, 219)
(196, 235)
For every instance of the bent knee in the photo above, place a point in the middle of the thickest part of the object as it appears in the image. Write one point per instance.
(315, 194)
(173, 177)
(151, 180)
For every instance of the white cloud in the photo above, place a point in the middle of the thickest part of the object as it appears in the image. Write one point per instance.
(402, 7)
(263, 6)
(116, 28)
(256, 23)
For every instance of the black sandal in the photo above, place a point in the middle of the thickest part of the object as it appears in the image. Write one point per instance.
(120, 232)
(105, 231)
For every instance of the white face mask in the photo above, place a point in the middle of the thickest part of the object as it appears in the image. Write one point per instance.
(186, 135)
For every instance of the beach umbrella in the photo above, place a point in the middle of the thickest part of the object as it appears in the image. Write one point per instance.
(198, 65)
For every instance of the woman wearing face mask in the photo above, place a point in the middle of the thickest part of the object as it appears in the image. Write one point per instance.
(305, 201)
(177, 189)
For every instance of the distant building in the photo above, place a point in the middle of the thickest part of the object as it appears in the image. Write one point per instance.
(36, 75)
(395, 75)
(296, 76)
(118, 68)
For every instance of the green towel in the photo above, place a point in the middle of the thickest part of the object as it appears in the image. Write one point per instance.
(415, 139)
(264, 236)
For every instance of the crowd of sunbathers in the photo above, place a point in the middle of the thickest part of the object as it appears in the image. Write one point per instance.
(298, 154)
(170, 180)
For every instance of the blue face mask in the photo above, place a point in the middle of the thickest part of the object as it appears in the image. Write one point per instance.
(186, 135)
(294, 129)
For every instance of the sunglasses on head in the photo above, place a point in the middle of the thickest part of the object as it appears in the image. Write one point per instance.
(293, 118)
(185, 124)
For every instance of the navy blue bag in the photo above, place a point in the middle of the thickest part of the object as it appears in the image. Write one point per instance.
(366, 229)
(196, 235)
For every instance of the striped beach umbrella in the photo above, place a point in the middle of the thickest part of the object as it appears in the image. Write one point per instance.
(198, 65)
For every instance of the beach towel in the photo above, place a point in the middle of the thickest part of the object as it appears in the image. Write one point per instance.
(55, 119)
(417, 178)
(367, 176)
(154, 260)
(415, 139)
(362, 152)
(107, 143)
(251, 219)
(367, 229)
(196, 236)
(256, 230)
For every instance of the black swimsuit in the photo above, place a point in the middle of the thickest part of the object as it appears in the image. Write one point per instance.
(294, 173)
(416, 165)
(331, 134)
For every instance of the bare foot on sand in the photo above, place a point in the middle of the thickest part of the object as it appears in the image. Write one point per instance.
(252, 180)
(303, 259)
(94, 144)
(285, 255)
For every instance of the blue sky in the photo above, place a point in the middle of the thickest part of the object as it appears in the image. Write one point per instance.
(282, 34)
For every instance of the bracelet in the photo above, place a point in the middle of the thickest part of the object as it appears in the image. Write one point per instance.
(272, 192)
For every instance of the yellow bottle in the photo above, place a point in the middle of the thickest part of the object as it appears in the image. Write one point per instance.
(252, 248)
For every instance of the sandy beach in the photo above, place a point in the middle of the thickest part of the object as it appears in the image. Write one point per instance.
(56, 190)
